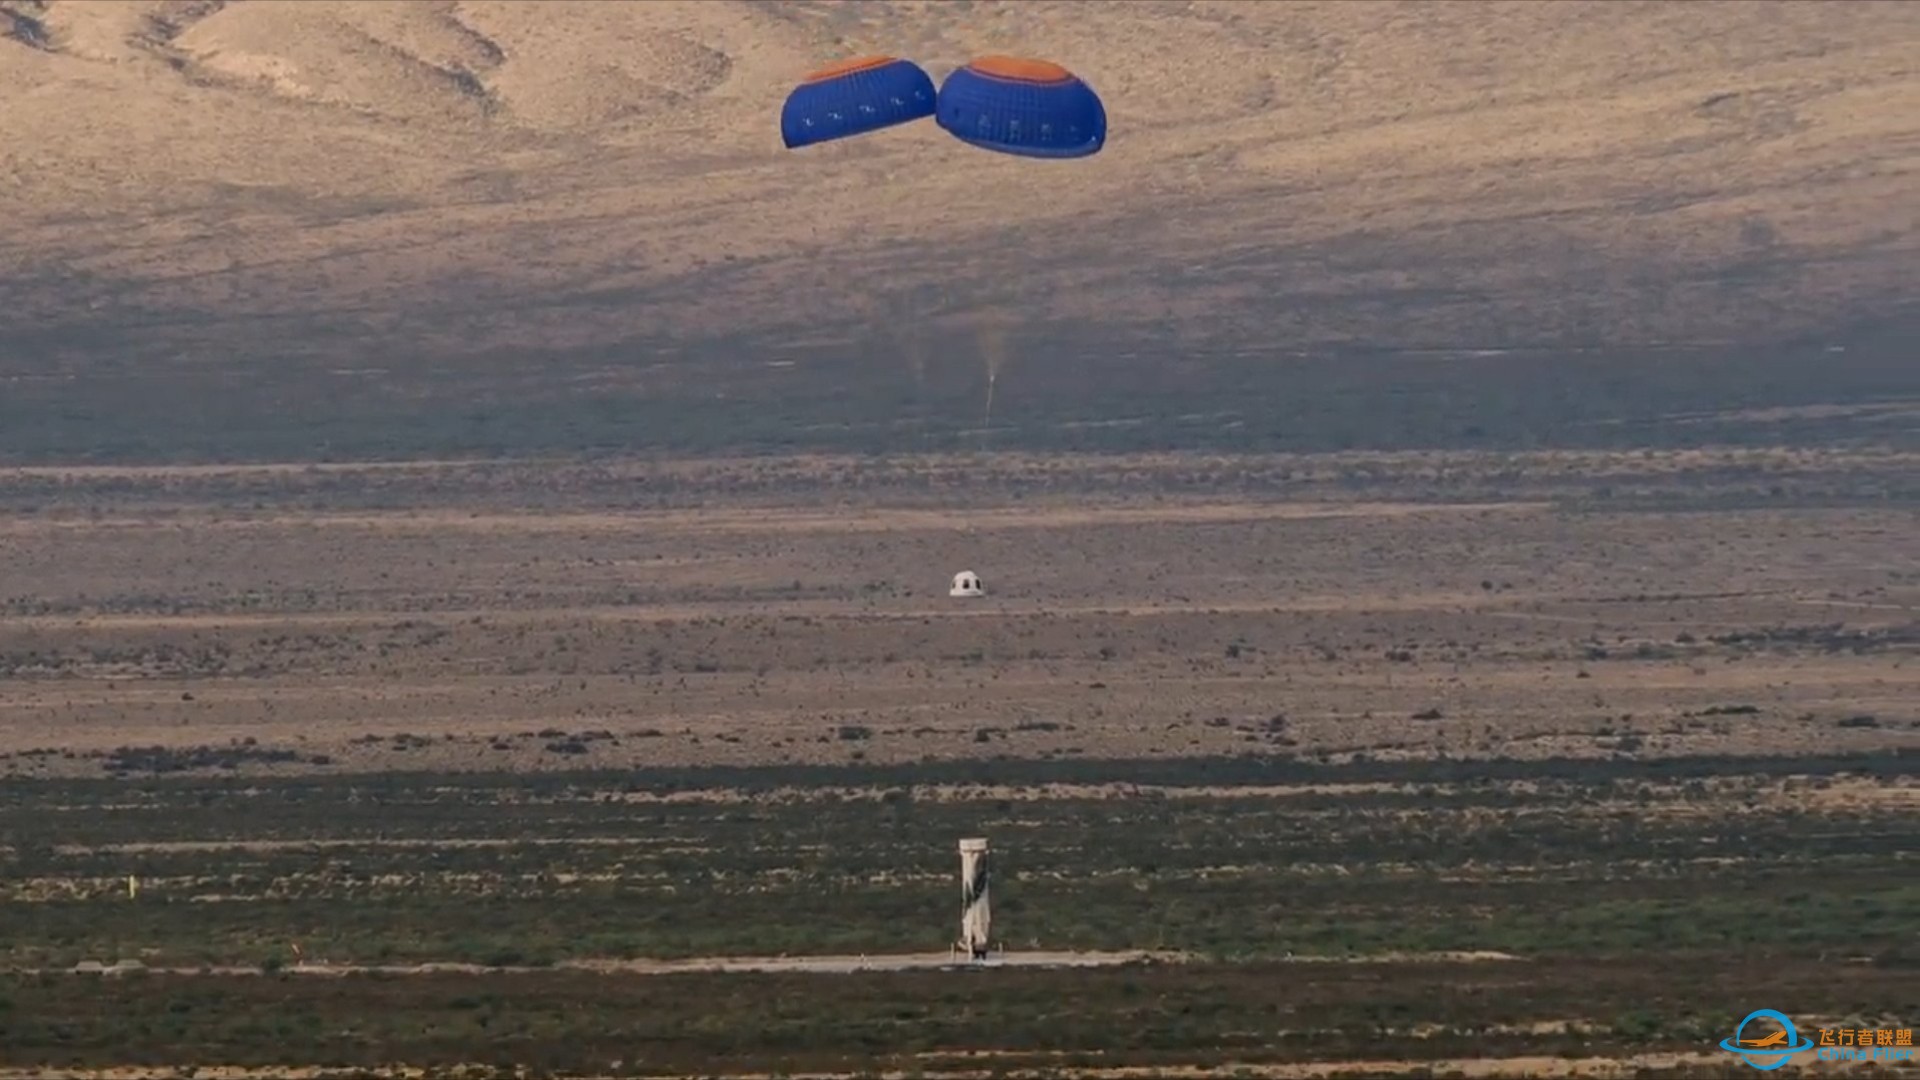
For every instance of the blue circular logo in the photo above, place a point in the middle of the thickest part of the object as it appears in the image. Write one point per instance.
(1778, 1046)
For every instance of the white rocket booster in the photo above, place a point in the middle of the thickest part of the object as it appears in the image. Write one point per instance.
(975, 916)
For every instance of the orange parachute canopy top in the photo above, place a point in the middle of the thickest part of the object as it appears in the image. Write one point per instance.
(1021, 69)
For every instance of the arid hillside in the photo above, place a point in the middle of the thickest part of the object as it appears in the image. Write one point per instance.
(406, 191)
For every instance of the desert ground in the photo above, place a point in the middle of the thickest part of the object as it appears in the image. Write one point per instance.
(1332, 615)
(542, 755)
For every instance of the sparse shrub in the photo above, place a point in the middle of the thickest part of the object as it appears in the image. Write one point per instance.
(164, 759)
(1639, 1026)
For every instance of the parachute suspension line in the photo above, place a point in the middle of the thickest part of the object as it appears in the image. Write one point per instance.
(992, 336)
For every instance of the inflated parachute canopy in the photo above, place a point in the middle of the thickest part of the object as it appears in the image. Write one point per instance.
(855, 97)
(1032, 108)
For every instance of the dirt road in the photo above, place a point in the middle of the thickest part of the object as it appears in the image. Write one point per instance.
(824, 965)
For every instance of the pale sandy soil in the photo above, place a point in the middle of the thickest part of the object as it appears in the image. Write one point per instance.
(444, 631)
(821, 965)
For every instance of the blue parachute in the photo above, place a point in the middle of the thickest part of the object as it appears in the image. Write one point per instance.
(855, 97)
(1030, 108)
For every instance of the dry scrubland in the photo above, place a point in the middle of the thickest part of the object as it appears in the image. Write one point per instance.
(502, 735)
(1502, 726)
(796, 612)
